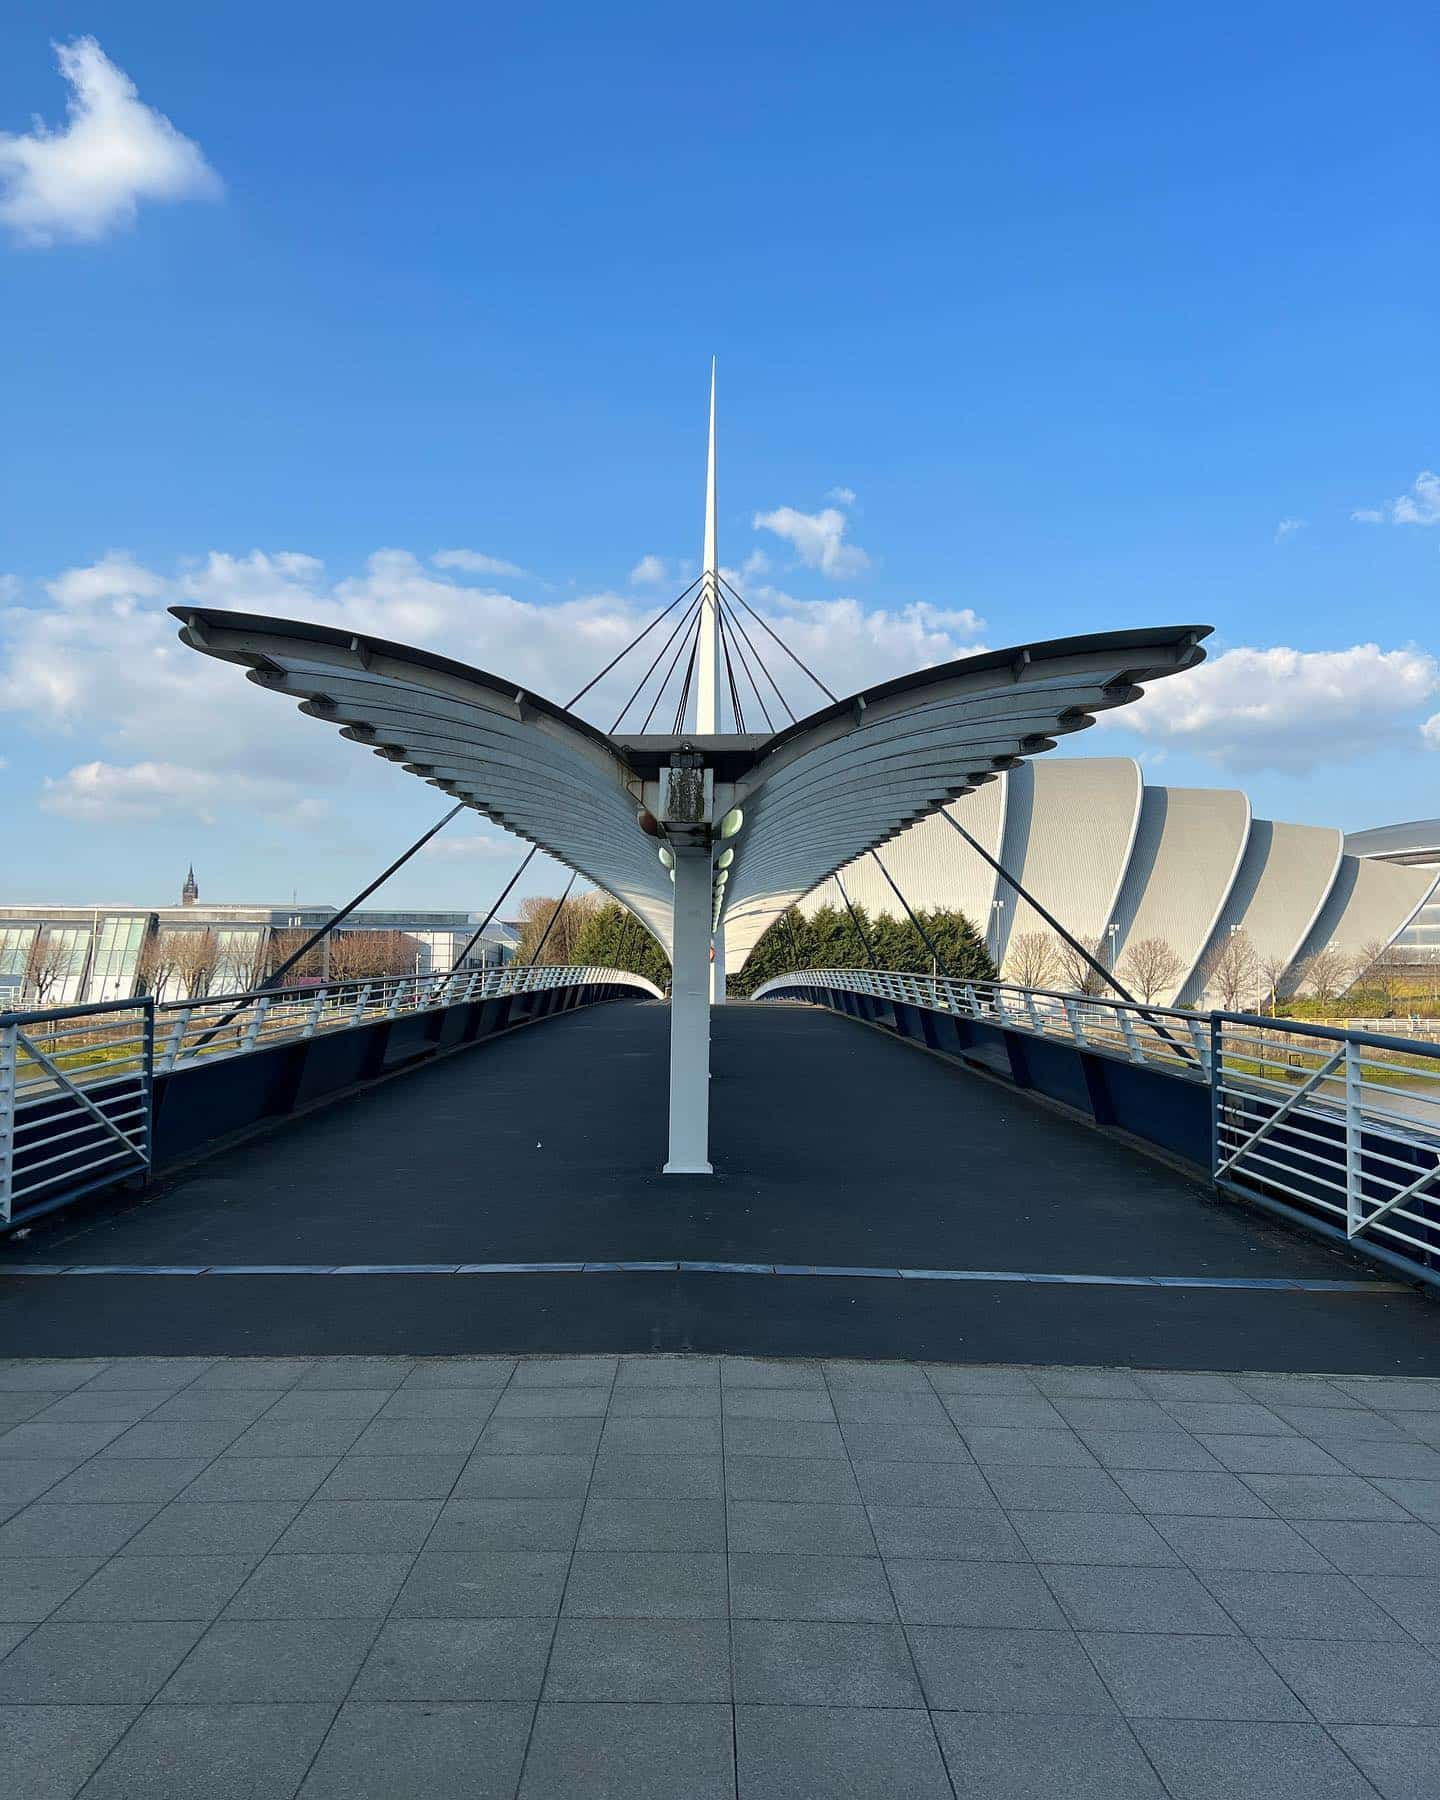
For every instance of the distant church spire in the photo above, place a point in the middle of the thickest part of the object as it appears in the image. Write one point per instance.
(190, 893)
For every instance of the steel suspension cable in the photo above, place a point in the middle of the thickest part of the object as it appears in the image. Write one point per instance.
(684, 701)
(1108, 976)
(855, 919)
(729, 671)
(779, 640)
(910, 915)
(692, 615)
(545, 935)
(596, 680)
(484, 923)
(728, 615)
(761, 665)
(688, 613)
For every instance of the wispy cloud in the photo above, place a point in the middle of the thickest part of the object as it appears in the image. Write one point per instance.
(90, 176)
(842, 496)
(817, 538)
(474, 562)
(1420, 506)
(648, 571)
(1287, 528)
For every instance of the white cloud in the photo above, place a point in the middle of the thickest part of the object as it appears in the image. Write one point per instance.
(469, 849)
(648, 571)
(474, 562)
(1430, 732)
(756, 563)
(113, 152)
(1421, 506)
(842, 496)
(817, 538)
(145, 729)
(1287, 528)
(1249, 709)
(110, 793)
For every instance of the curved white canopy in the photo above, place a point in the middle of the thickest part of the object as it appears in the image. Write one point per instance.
(814, 796)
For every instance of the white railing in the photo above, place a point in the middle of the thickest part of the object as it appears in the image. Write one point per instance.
(1178, 1041)
(232, 1024)
(75, 1100)
(76, 1081)
(1342, 1124)
(1341, 1127)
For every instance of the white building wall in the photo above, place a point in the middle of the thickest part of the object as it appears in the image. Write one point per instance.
(1285, 875)
(1069, 833)
(1371, 902)
(1187, 850)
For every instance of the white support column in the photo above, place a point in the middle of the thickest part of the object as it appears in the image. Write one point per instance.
(690, 1016)
(717, 970)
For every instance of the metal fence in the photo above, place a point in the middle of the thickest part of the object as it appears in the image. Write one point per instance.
(1342, 1126)
(75, 1100)
(1176, 1041)
(77, 1082)
(1338, 1129)
(231, 1025)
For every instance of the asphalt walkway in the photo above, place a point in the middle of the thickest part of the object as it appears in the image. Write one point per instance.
(836, 1148)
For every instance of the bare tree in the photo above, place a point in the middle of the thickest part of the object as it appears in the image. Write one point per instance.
(1077, 975)
(1152, 966)
(197, 956)
(1231, 970)
(47, 965)
(536, 913)
(354, 955)
(1325, 972)
(1273, 970)
(1032, 960)
(1375, 972)
(155, 968)
(283, 945)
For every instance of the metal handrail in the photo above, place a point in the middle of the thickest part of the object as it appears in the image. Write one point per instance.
(1341, 1129)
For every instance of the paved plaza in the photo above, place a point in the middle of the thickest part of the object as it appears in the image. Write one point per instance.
(682, 1578)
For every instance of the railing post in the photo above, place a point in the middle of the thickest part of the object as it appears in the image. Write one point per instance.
(1200, 1042)
(1217, 1070)
(257, 1019)
(175, 1040)
(361, 1003)
(1354, 1127)
(1127, 1030)
(312, 1018)
(397, 994)
(1030, 1008)
(7, 1118)
(1077, 1030)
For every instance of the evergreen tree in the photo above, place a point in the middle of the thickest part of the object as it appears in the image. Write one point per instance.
(829, 939)
(613, 938)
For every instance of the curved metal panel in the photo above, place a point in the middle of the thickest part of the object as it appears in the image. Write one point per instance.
(1068, 838)
(1187, 851)
(1371, 902)
(1282, 882)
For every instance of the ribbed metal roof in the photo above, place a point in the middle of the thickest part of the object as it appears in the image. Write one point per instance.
(814, 795)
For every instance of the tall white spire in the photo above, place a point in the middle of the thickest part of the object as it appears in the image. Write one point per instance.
(707, 719)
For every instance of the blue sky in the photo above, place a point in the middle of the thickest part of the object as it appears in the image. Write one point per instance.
(1080, 307)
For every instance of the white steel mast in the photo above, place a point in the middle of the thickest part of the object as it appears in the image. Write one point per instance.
(707, 720)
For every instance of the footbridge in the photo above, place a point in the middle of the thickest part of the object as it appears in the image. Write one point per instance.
(901, 1167)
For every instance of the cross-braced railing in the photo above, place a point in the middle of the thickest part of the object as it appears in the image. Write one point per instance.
(76, 1081)
(1177, 1041)
(1340, 1127)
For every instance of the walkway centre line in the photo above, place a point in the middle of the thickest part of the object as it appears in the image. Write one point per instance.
(1279, 1284)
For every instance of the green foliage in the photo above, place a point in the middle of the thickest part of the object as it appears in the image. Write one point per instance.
(613, 938)
(829, 940)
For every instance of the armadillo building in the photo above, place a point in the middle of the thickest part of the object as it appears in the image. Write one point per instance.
(1119, 860)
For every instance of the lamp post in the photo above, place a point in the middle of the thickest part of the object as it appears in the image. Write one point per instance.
(1112, 932)
(997, 908)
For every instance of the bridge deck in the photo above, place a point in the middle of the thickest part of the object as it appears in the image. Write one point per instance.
(835, 1147)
